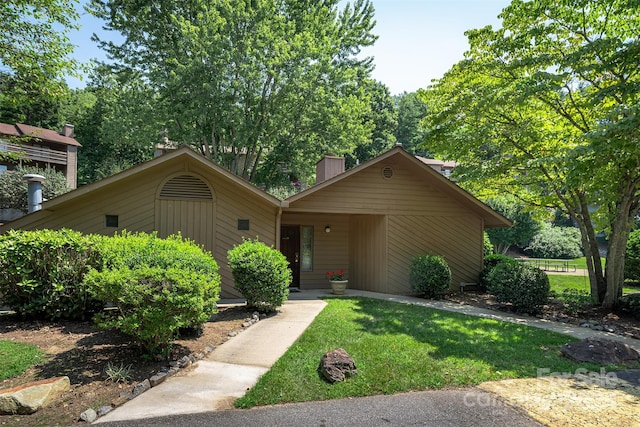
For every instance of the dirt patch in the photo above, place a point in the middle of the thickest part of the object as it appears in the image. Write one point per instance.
(568, 402)
(81, 351)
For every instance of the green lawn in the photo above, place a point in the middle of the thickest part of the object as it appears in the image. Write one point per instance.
(581, 263)
(560, 282)
(401, 347)
(17, 357)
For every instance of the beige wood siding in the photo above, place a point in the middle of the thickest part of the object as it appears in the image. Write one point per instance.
(331, 250)
(457, 238)
(368, 253)
(369, 192)
(235, 203)
(135, 200)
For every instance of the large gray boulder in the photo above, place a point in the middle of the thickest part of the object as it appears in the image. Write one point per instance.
(337, 365)
(28, 398)
(600, 350)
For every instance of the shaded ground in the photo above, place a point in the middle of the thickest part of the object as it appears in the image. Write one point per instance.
(82, 352)
(621, 323)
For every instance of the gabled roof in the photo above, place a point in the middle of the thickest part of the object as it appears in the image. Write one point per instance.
(492, 219)
(20, 129)
(177, 155)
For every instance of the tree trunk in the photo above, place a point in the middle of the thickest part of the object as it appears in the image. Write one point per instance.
(625, 211)
(582, 217)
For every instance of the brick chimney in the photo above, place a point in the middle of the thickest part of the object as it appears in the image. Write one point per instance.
(328, 167)
(68, 130)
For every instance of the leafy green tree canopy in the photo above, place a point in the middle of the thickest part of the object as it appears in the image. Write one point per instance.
(546, 107)
(260, 86)
(34, 57)
(524, 225)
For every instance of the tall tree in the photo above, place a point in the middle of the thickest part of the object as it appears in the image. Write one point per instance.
(411, 110)
(253, 84)
(383, 117)
(34, 58)
(119, 126)
(546, 108)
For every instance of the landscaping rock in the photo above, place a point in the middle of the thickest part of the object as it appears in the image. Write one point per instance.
(140, 388)
(336, 365)
(600, 350)
(157, 379)
(28, 398)
(119, 401)
(104, 410)
(89, 415)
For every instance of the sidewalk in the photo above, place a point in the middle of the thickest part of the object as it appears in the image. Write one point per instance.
(237, 364)
(228, 371)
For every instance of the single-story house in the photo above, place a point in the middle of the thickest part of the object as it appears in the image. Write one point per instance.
(370, 220)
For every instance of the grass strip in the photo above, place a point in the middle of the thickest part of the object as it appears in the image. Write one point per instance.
(401, 347)
(17, 357)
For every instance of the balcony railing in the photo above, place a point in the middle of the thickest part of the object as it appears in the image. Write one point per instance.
(38, 154)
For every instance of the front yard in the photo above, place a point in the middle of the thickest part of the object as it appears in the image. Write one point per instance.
(400, 347)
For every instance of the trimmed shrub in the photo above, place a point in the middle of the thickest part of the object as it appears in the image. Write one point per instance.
(153, 303)
(157, 285)
(524, 286)
(136, 250)
(555, 243)
(42, 273)
(632, 257)
(261, 273)
(490, 261)
(631, 304)
(430, 275)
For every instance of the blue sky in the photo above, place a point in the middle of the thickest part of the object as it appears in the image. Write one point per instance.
(419, 40)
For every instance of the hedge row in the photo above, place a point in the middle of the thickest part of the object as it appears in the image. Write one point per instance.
(156, 285)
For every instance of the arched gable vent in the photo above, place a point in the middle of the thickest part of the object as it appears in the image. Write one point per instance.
(186, 187)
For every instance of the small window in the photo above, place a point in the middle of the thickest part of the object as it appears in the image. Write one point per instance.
(111, 220)
(243, 224)
(306, 243)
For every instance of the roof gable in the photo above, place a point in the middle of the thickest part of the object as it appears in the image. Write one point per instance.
(180, 155)
(420, 174)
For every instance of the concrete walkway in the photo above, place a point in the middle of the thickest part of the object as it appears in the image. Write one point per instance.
(228, 371)
(237, 364)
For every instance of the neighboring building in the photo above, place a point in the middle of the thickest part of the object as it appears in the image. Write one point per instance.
(441, 166)
(370, 220)
(41, 147)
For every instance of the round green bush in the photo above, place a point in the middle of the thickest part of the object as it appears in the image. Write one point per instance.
(555, 243)
(157, 286)
(430, 275)
(42, 273)
(489, 262)
(153, 303)
(632, 257)
(261, 273)
(525, 287)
